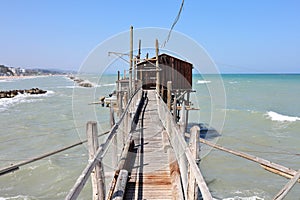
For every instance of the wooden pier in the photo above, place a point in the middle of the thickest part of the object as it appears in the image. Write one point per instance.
(150, 176)
(145, 154)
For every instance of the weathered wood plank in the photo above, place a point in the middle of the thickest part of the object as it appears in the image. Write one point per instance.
(284, 191)
(119, 191)
(192, 191)
(273, 167)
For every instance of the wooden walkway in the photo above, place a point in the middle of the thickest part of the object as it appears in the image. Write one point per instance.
(149, 168)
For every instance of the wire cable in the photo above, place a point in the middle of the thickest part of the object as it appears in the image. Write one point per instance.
(173, 25)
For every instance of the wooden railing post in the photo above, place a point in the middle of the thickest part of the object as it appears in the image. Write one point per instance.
(97, 175)
(175, 109)
(169, 87)
(157, 68)
(125, 120)
(194, 145)
(182, 123)
(114, 140)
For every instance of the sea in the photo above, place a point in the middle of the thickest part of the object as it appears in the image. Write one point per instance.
(258, 114)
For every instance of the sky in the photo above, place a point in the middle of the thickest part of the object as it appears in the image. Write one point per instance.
(241, 36)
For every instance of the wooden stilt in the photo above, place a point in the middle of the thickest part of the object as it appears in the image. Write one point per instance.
(194, 146)
(97, 176)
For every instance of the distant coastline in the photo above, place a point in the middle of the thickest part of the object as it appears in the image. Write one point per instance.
(28, 77)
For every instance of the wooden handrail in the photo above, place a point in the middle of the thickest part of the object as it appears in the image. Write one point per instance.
(188, 154)
(76, 189)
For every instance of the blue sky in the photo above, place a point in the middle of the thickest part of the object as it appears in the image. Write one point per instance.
(241, 36)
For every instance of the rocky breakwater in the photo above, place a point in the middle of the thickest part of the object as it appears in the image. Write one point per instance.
(81, 82)
(13, 93)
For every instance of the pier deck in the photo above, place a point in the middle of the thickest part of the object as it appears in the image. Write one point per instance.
(150, 171)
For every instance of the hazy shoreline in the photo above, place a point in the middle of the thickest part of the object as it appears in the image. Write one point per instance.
(27, 77)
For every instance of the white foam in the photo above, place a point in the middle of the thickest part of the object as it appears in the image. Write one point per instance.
(5, 103)
(16, 197)
(233, 82)
(106, 85)
(244, 198)
(203, 82)
(282, 118)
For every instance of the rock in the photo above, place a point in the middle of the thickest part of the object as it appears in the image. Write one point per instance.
(86, 84)
(13, 93)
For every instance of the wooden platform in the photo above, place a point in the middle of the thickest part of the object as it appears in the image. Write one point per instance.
(149, 171)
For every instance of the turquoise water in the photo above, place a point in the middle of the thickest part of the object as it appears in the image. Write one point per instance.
(260, 116)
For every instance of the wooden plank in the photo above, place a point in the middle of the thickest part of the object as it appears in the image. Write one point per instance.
(192, 191)
(119, 191)
(284, 191)
(177, 192)
(150, 174)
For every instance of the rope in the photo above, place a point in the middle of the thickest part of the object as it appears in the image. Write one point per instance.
(173, 25)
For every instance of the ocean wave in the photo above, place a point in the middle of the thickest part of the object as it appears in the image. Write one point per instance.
(106, 85)
(244, 198)
(6, 103)
(282, 118)
(233, 82)
(203, 82)
(19, 197)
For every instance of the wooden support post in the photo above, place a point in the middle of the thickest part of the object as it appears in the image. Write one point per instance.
(157, 68)
(97, 175)
(194, 145)
(169, 97)
(125, 120)
(119, 96)
(120, 100)
(175, 109)
(187, 110)
(111, 117)
(168, 124)
(119, 190)
(282, 193)
(182, 119)
(114, 140)
(130, 61)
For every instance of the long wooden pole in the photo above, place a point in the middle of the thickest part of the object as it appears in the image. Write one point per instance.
(282, 193)
(16, 166)
(273, 167)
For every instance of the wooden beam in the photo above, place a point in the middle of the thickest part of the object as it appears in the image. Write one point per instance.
(282, 193)
(119, 191)
(265, 163)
